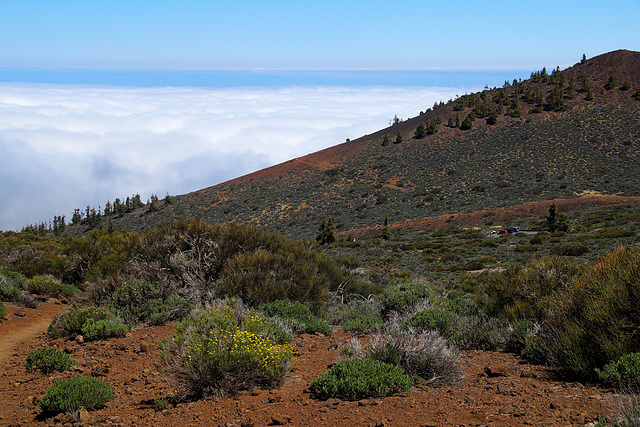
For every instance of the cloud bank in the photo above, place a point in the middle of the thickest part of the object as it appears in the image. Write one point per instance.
(68, 146)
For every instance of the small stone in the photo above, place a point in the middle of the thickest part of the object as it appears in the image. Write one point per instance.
(144, 347)
(84, 415)
(21, 312)
(80, 339)
(280, 420)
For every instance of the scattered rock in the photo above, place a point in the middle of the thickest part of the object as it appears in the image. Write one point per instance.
(100, 371)
(84, 415)
(62, 299)
(500, 371)
(280, 420)
(21, 312)
(80, 339)
(144, 347)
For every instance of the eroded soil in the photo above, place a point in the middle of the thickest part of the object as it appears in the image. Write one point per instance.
(499, 389)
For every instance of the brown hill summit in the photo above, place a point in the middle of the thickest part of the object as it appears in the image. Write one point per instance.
(557, 135)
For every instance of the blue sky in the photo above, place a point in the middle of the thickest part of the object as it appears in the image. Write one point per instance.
(328, 34)
(103, 99)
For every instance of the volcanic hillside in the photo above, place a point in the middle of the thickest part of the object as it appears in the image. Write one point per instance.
(556, 135)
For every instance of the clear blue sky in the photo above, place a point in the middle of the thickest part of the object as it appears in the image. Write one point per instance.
(328, 34)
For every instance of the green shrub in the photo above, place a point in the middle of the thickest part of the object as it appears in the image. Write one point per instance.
(359, 379)
(399, 298)
(526, 248)
(70, 324)
(103, 329)
(71, 394)
(298, 316)
(140, 301)
(48, 285)
(522, 292)
(10, 284)
(364, 323)
(357, 315)
(205, 262)
(623, 373)
(570, 250)
(593, 320)
(3, 311)
(47, 360)
(431, 319)
(221, 350)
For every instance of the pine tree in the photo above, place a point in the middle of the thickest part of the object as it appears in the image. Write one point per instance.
(326, 232)
(398, 138)
(385, 140)
(611, 83)
(386, 234)
(557, 221)
(421, 131)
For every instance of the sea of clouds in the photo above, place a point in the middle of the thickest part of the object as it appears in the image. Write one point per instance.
(68, 146)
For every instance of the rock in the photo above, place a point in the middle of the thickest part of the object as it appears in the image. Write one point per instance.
(100, 371)
(62, 299)
(499, 371)
(80, 339)
(21, 312)
(502, 388)
(144, 347)
(84, 415)
(280, 420)
(275, 398)
(363, 402)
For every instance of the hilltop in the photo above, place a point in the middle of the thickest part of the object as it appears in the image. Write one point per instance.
(558, 135)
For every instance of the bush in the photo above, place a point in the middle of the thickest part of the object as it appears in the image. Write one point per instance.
(71, 394)
(70, 324)
(140, 301)
(3, 311)
(297, 316)
(422, 354)
(364, 323)
(403, 297)
(357, 315)
(48, 285)
(201, 262)
(10, 284)
(361, 378)
(102, 329)
(593, 320)
(570, 250)
(523, 292)
(431, 319)
(623, 373)
(222, 350)
(47, 360)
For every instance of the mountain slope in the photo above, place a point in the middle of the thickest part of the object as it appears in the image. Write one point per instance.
(555, 135)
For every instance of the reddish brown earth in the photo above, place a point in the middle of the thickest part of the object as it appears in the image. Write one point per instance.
(583, 202)
(499, 389)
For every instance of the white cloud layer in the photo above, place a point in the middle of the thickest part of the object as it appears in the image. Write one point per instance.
(64, 147)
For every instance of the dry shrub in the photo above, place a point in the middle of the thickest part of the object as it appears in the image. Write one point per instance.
(424, 354)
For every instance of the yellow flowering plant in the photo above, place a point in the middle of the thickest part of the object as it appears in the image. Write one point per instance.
(222, 350)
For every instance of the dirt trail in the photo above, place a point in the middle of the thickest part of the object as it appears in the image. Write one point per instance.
(24, 324)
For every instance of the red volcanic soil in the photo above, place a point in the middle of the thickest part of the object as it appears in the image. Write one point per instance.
(585, 202)
(499, 389)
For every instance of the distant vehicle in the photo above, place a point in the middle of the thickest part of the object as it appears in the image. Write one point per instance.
(502, 232)
(513, 229)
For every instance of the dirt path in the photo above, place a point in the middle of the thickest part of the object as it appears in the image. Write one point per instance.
(24, 324)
